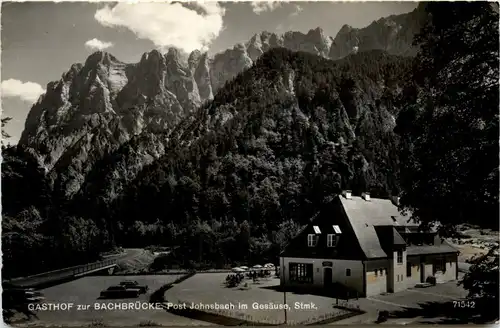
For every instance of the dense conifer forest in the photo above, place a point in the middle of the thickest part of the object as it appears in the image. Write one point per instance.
(276, 143)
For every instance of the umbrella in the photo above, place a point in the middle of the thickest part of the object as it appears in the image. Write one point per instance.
(258, 266)
(244, 267)
(238, 270)
(269, 265)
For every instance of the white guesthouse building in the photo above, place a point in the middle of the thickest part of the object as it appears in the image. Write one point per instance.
(364, 245)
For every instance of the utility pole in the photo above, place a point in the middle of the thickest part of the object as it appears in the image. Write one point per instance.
(284, 289)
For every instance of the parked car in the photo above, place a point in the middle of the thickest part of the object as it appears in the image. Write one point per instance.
(22, 296)
(34, 296)
(131, 284)
(120, 292)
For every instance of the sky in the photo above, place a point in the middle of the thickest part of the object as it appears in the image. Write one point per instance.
(41, 40)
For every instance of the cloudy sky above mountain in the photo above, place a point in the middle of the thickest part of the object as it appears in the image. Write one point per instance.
(40, 41)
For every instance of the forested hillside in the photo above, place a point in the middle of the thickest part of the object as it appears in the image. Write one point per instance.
(275, 144)
(141, 153)
(37, 234)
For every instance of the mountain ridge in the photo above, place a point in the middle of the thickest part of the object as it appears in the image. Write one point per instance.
(106, 102)
(216, 119)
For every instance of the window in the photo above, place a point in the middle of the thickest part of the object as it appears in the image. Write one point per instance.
(439, 265)
(337, 230)
(401, 277)
(316, 230)
(408, 269)
(429, 239)
(348, 272)
(312, 240)
(400, 257)
(331, 240)
(301, 272)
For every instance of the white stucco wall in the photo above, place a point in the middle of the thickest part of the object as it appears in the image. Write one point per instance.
(428, 271)
(414, 279)
(449, 275)
(399, 273)
(355, 280)
(376, 284)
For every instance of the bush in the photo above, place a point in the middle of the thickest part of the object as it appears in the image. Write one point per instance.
(382, 316)
(165, 261)
(431, 280)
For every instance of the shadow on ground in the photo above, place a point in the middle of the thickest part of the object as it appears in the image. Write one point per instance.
(451, 313)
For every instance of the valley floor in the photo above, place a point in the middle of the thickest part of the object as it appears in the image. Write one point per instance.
(433, 304)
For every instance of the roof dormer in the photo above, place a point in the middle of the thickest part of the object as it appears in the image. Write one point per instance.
(312, 240)
(332, 239)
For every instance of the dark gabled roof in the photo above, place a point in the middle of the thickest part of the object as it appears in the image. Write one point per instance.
(300, 232)
(397, 239)
(374, 223)
(378, 212)
(364, 216)
(330, 219)
(369, 219)
(389, 237)
(444, 247)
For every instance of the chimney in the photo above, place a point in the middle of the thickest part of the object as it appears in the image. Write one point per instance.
(346, 194)
(395, 200)
(366, 196)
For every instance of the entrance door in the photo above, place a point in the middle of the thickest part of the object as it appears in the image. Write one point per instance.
(422, 272)
(327, 277)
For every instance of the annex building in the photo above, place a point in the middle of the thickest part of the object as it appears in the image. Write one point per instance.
(365, 245)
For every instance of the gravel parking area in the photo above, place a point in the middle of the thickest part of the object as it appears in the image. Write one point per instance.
(208, 289)
(449, 289)
(85, 292)
(410, 306)
(415, 297)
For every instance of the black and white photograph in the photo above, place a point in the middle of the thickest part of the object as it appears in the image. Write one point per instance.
(265, 163)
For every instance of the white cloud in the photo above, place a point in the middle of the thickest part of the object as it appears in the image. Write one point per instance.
(296, 10)
(96, 44)
(259, 7)
(167, 24)
(27, 91)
